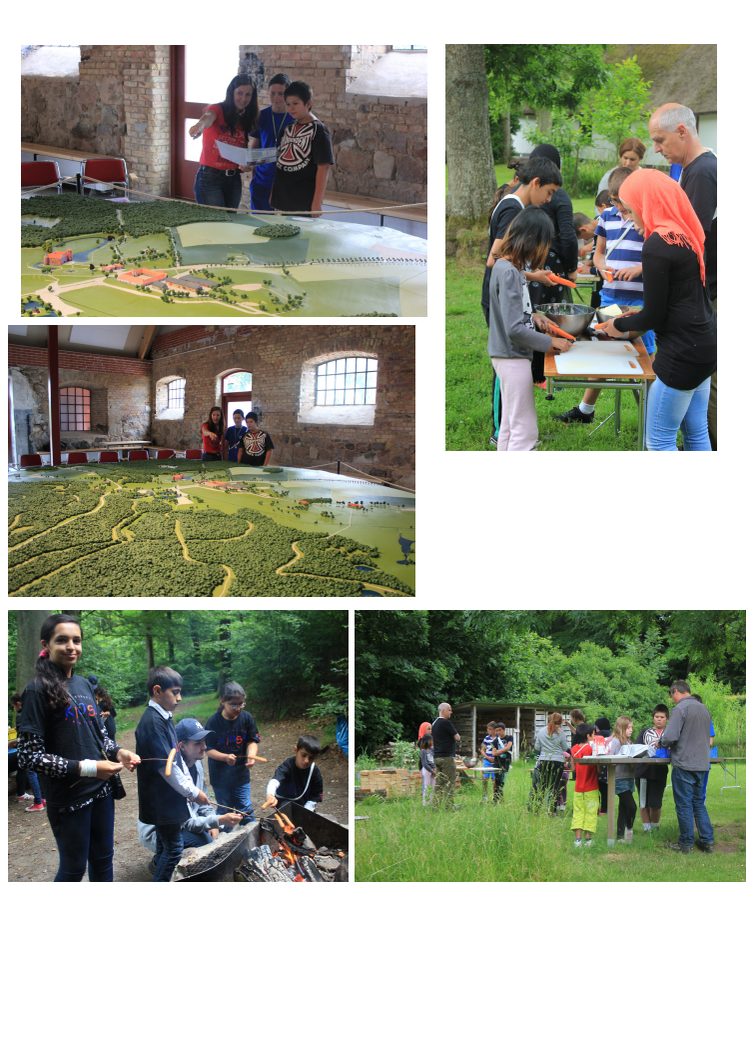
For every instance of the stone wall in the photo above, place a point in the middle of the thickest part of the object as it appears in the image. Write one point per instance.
(119, 105)
(120, 397)
(275, 356)
(380, 144)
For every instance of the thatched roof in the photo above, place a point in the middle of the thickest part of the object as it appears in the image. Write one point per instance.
(679, 73)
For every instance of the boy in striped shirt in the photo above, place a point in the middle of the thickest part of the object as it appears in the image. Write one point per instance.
(618, 248)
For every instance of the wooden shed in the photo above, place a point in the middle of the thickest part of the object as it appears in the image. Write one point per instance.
(521, 720)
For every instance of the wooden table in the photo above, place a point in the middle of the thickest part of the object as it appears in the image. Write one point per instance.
(612, 762)
(65, 154)
(108, 444)
(634, 382)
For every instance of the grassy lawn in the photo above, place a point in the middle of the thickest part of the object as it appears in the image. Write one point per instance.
(403, 842)
(101, 300)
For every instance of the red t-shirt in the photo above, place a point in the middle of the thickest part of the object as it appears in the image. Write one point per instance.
(219, 131)
(210, 446)
(586, 777)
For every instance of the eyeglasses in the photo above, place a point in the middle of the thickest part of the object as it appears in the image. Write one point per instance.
(236, 706)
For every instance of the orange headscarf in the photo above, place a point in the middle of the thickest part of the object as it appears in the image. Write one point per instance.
(663, 207)
(423, 730)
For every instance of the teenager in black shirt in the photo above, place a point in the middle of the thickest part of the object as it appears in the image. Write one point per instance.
(62, 739)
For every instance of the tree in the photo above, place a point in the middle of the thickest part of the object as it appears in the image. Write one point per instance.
(622, 107)
(28, 627)
(471, 174)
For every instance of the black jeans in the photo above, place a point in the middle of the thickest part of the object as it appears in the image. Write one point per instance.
(169, 847)
(626, 814)
(85, 837)
(207, 457)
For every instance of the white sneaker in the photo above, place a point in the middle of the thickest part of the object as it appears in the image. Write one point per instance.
(578, 843)
(20, 799)
(588, 843)
(628, 835)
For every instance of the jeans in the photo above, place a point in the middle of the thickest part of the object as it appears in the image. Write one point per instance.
(85, 837)
(207, 457)
(23, 776)
(213, 187)
(260, 196)
(688, 786)
(169, 845)
(196, 839)
(238, 796)
(670, 409)
(620, 297)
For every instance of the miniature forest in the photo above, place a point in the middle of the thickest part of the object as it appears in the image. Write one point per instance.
(137, 530)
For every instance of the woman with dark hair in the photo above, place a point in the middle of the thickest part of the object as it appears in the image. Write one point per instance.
(213, 432)
(513, 336)
(552, 745)
(631, 152)
(62, 739)
(218, 180)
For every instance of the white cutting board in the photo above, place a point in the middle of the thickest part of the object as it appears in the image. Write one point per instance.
(606, 348)
(587, 363)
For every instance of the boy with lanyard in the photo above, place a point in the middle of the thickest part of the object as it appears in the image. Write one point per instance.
(273, 121)
(304, 157)
(236, 743)
(651, 780)
(234, 434)
(618, 249)
(292, 780)
(502, 745)
(163, 800)
(256, 445)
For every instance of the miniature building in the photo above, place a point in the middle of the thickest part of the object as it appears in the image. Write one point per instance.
(141, 276)
(58, 257)
(189, 283)
(112, 267)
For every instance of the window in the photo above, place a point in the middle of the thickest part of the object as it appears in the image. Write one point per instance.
(346, 382)
(236, 394)
(75, 410)
(409, 47)
(176, 394)
(238, 382)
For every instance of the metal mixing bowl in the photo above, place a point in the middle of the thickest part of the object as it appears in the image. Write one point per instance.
(604, 316)
(572, 318)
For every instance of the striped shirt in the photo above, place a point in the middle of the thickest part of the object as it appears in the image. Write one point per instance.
(626, 254)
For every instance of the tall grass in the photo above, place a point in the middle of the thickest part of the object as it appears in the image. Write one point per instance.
(404, 842)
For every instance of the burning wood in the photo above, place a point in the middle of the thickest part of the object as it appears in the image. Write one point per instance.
(286, 853)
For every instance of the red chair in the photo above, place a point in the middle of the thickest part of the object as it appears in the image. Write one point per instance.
(109, 456)
(39, 174)
(105, 170)
(193, 452)
(168, 453)
(76, 457)
(136, 456)
(30, 460)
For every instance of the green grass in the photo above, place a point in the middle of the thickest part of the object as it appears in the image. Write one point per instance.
(100, 300)
(404, 842)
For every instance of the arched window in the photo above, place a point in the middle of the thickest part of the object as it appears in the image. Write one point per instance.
(347, 381)
(75, 410)
(339, 388)
(170, 398)
(175, 394)
(236, 394)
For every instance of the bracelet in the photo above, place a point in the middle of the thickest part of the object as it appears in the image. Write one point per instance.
(88, 768)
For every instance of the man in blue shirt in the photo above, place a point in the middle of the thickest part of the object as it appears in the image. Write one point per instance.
(272, 122)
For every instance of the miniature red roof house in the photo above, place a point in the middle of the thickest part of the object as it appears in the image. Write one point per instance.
(141, 276)
(113, 267)
(178, 476)
(58, 257)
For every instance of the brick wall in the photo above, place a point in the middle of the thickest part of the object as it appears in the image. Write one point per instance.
(380, 145)
(275, 356)
(119, 387)
(118, 106)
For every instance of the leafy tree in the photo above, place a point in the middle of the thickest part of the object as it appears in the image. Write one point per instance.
(622, 107)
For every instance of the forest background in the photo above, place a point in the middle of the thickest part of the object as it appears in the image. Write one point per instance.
(604, 662)
(290, 663)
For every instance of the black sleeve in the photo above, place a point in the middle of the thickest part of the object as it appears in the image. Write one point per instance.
(268, 445)
(656, 266)
(316, 788)
(563, 225)
(321, 149)
(504, 217)
(282, 773)
(250, 728)
(702, 192)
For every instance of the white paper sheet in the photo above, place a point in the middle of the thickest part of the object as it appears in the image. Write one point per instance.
(588, 363)
(242, 156)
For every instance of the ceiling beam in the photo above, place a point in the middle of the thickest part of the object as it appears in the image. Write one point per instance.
(147, 339)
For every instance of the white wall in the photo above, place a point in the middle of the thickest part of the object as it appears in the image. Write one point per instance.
(708, 131)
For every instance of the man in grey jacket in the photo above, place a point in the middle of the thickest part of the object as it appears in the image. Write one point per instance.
(688, 736)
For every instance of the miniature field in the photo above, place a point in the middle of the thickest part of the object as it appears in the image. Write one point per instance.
(129, 530)
(330, 268)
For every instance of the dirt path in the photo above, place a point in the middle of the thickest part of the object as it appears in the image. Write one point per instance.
(32, 852)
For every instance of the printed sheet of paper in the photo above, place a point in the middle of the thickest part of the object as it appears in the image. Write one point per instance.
(242, 156)
(587, 363)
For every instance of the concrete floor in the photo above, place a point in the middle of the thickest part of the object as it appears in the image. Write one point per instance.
(396, 75)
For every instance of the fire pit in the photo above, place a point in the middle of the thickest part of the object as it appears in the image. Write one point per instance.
(308, 847)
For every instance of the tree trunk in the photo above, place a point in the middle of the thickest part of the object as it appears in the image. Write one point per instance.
(544, 121)
(170, 631)
(471, 173)
(224, 637)
(28, 623)
(505, 132)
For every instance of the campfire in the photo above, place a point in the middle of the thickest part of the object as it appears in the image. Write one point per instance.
(294, 845)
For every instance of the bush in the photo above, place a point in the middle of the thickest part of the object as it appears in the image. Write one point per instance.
(405, 754)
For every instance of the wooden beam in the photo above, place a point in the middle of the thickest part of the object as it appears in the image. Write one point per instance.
(147, 339)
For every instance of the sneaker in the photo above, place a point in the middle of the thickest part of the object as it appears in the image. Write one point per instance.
(588, 843)
(679, 848)
(578, 843)
(628, 835)
(706, 847)
(575, 415)
(151, 866)
(35, 806)
(540, 385)
(26, 795)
